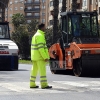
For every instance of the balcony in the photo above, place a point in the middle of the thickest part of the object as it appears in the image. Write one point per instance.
(32, 10)
(51, 8)
(32, 3)
(32, 17)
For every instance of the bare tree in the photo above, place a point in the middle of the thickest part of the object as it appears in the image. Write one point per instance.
(74, 5)
(64, 5)
(55, 20)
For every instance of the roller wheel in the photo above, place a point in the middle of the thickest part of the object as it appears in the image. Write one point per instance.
(54, 66)
(77, 67)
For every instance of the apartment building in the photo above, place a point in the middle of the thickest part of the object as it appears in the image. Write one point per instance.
(32, 9)
(90, 5)
(14, 6)
(68, 8)
(37, 9)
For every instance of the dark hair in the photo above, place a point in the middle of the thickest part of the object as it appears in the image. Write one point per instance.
(40, 26)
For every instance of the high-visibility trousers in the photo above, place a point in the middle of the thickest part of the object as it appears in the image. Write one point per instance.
(38, 66)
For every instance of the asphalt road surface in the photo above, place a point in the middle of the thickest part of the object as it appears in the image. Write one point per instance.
(14, 85)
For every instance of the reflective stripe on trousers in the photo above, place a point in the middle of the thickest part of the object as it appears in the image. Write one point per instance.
(38, 66)
(43, 79)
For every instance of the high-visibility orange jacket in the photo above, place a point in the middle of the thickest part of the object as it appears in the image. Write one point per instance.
(39, 50)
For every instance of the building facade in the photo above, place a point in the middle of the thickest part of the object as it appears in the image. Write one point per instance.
(42, 9)
(32, 9)
(90, 5)
(14, 6)
(68, 8)
(36, 9)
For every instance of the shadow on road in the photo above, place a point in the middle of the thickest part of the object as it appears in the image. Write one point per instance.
(70, 73)
(22, 70)
(13, 70)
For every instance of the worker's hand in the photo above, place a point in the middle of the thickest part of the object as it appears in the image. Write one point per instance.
(46, 60)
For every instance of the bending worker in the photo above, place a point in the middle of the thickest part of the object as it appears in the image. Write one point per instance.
(39, 57)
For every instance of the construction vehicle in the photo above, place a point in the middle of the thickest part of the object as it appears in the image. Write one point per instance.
(8, 49)
(79, 47)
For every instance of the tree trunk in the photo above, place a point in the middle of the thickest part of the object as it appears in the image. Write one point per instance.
(74, 5)
(64, 5)
(3, 14)
(55, 20)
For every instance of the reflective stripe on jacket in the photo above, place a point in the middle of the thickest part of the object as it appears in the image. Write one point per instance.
(39, 50)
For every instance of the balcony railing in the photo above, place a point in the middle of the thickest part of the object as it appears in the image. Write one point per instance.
(33, 3)
(37, 17)
(32, 10)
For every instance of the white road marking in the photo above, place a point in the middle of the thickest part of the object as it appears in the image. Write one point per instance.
(58, 87)
(24, 87)
(82, 85)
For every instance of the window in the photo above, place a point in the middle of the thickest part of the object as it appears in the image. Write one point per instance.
(28, 21)
(84, 3)
(16, 1)
(43, 0)
(10, 28)
(36, 6)
(99, 10)
(60, 1)
(29, 8)
(51, 3)
(91, 2)
(43, 7)
(64, 28)
(21, 8)
(64, 24)
(36, 0)
(21, 0)
(10, 15)
(51, 22)
(36, 14)
(6, 9)
(29, 1)
(4, 32)
(6, 16)
(29, 14)
(43, 14)
(10, 2)
(85, 25)
(10, 8)
(16, 8)
(43, 20)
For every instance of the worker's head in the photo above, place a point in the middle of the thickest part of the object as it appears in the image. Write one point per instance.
(41, 27)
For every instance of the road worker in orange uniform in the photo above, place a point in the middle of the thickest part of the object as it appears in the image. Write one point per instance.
(39, 57)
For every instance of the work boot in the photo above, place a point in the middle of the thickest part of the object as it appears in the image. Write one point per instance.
(35, 87)
(47, 87)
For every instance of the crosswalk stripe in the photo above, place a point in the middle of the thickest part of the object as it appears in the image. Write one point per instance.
(58, 87)
(79, 84)
(18, 88)
(85, 85)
